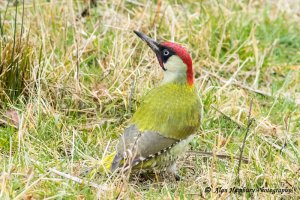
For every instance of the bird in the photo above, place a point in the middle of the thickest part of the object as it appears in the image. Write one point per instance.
(167, 119)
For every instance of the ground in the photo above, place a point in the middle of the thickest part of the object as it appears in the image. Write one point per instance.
(71, 80)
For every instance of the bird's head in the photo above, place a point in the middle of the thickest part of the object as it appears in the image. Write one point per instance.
(174, 59)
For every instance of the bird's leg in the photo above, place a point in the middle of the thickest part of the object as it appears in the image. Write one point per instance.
(156, 173)
(172, 169)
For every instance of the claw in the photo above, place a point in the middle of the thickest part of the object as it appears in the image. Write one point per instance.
(177, 177)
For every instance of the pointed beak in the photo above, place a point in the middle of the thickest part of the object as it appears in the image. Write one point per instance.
(153, 45)
(150, 42)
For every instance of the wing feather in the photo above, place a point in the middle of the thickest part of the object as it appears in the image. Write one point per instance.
(136, 146)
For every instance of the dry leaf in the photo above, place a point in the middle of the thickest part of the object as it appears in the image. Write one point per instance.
(13, 117)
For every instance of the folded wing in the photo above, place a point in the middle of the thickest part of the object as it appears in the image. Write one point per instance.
(139, 146)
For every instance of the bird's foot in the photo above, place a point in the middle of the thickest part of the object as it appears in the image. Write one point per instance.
(177, 177)
(172, 170)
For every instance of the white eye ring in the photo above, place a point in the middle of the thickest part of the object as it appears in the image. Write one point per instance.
(166, 52)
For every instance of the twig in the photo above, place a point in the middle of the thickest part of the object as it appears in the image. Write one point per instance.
(240, 125)
(282, 150)
(78, 180)
(235, 83)
(250, 120)
(207, 154)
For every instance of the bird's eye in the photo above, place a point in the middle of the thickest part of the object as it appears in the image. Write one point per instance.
(166, 52)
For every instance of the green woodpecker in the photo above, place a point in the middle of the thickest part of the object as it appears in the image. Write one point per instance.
(162, 127)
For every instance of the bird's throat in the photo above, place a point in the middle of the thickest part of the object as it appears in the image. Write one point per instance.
(174, 77)
(176, 71)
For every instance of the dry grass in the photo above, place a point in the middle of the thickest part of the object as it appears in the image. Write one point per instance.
(87, 77)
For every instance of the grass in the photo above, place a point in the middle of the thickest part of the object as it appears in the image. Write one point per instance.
(85, 77)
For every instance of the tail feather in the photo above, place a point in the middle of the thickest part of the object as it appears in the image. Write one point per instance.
(106, 162)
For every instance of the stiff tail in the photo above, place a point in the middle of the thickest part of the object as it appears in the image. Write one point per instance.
(105, 163)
